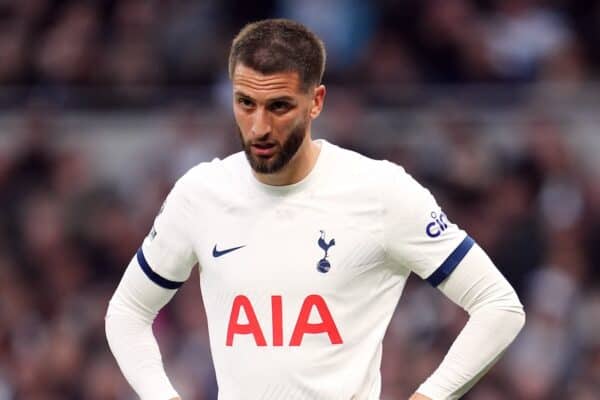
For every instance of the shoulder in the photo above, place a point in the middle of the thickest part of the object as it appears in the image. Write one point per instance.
(400, 195)
(383, 174)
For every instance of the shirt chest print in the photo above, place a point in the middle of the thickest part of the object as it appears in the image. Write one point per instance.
(323, 264)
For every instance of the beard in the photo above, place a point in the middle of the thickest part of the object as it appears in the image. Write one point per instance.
(284, 152)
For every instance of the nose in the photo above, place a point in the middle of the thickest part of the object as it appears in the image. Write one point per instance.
(261, 125)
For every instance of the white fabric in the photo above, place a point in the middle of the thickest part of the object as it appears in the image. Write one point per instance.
(129, 319)
(279, 327)
(496, 316)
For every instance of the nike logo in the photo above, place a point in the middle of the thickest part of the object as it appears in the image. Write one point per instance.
(219, 253)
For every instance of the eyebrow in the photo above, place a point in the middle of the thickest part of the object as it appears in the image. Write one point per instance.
(288, 99)
(241, 94)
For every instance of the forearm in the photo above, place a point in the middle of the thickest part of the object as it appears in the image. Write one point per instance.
(136, 351)
(129, 333)
(479, 345)
(496, 317)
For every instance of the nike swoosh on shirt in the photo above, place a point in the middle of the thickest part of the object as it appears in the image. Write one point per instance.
(219, 253)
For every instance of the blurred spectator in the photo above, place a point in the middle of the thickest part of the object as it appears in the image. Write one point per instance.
(133, 71)
(195, 41)
(451, 49)
(66, 52)
(522, 35)
(345, 25)
(13, 54)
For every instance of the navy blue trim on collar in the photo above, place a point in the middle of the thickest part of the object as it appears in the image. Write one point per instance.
(154, 277)
(444, 270)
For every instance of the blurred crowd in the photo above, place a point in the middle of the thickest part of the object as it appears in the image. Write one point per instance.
(129, 51)
(526, 189)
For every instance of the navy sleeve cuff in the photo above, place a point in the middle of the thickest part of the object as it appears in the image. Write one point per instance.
(154, 277)
(444, 270)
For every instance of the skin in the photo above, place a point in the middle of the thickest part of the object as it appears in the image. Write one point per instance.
(418, 396)
(269, 109)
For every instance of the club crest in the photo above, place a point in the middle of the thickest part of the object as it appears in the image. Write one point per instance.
(323, 265)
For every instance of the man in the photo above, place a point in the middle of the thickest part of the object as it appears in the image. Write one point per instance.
(304, 249)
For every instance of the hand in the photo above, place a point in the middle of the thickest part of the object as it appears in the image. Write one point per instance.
(418, 396)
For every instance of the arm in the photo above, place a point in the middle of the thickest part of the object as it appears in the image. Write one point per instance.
(420, 238)
(129, 319)
(160, 266)
(496, 317)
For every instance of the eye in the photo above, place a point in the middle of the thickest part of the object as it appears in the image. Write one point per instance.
(244, 102)
(280, 106)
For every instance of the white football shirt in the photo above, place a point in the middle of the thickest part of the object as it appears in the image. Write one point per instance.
(300, 282)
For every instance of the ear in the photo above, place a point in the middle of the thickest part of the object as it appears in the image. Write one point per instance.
(317, 101)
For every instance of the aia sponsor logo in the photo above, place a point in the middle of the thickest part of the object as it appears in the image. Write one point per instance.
(326, 326)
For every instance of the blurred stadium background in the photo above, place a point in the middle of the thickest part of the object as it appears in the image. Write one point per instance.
(493, 104)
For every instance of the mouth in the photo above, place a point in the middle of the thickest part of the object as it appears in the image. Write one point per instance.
(264, 149)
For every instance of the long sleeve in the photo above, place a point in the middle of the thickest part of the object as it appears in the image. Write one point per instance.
(129, 318)
(495, 318)
(161, 265)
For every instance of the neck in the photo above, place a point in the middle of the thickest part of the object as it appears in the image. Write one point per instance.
(297, 169)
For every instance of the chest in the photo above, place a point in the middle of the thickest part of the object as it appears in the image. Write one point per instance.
(291, 244)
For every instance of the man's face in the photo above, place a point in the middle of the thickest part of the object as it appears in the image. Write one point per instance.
(273, 116)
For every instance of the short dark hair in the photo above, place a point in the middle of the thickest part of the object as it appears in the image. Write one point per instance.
(279, 45)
